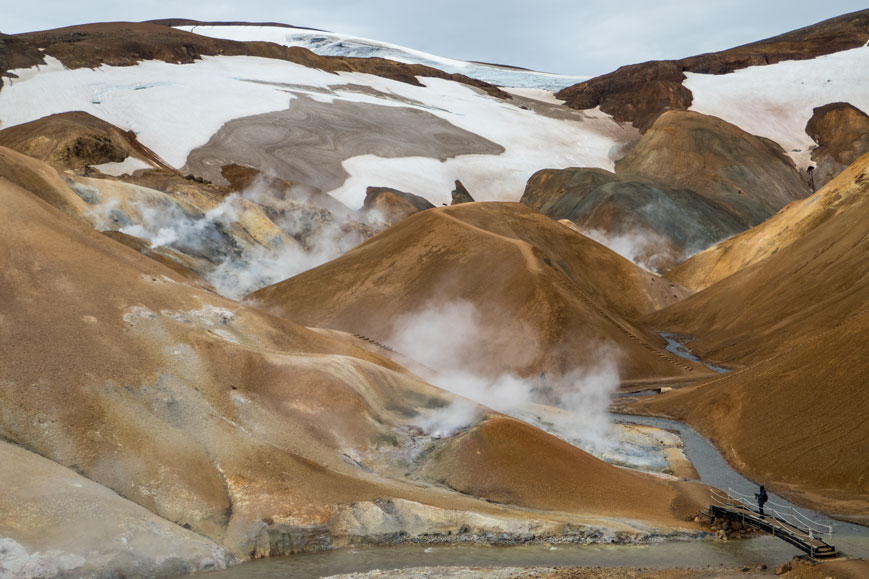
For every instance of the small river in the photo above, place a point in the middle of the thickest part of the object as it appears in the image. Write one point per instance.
(714, 471)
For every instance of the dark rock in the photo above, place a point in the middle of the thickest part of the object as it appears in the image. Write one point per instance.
(841, 131)
(461, 195)
(393, 205)
(239, 176)
(636, 93)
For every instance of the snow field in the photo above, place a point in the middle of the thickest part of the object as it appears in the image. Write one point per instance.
(776, 100)
(334, 44)
(174, 108)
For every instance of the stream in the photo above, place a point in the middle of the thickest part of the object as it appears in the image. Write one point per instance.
(675, 346)
(712, 469)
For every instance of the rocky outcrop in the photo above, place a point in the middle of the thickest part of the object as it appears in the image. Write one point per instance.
(392, 205)
(639, 93)
(749, 177)
(841, 131)
(75, 140)
(460, 194)
(16, 53)
(239, 177)
(636, 93)
(689, 182)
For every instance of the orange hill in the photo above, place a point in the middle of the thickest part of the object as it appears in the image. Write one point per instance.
(507, 461)
(795, 321)
(548, 298)
(791, 224)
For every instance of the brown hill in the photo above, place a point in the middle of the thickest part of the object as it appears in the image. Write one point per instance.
(647, 221)
(75, 140)
(547, 297)
(794, 321)
(638, 93)
(508, 461)
(690, 181)
(750, 177)
(795, 422)
(842, 133)
(44, 181)
(791, 224)
(128, 43)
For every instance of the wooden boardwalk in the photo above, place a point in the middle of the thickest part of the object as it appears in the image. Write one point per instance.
(782, 521)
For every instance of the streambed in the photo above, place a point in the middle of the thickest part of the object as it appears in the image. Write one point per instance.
(763, 550)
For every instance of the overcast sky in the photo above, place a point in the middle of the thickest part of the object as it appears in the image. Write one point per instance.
(583, 37)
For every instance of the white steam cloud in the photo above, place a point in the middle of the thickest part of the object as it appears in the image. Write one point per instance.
(444, 339)
(647, 249)
(225, 248)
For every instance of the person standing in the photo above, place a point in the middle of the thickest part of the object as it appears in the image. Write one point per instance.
(761, 497)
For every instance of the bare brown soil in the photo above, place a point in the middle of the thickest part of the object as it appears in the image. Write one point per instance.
(43, 180)
(75, 140)
(795, 222)
(543, 292)
(795, 415)
(507, 461)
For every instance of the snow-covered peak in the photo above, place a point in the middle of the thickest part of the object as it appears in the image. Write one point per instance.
(334, 44)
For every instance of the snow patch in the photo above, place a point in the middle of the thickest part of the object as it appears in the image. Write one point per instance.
(126, 167)
(776, 101)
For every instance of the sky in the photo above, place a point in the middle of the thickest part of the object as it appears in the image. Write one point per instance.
(580, 37)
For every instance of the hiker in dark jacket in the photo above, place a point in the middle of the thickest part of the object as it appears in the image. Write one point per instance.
(761, 497)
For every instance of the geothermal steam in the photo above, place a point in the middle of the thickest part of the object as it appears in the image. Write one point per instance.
(236, 263)
(444, 338)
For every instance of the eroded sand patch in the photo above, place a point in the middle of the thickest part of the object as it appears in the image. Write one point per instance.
(309, 141)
